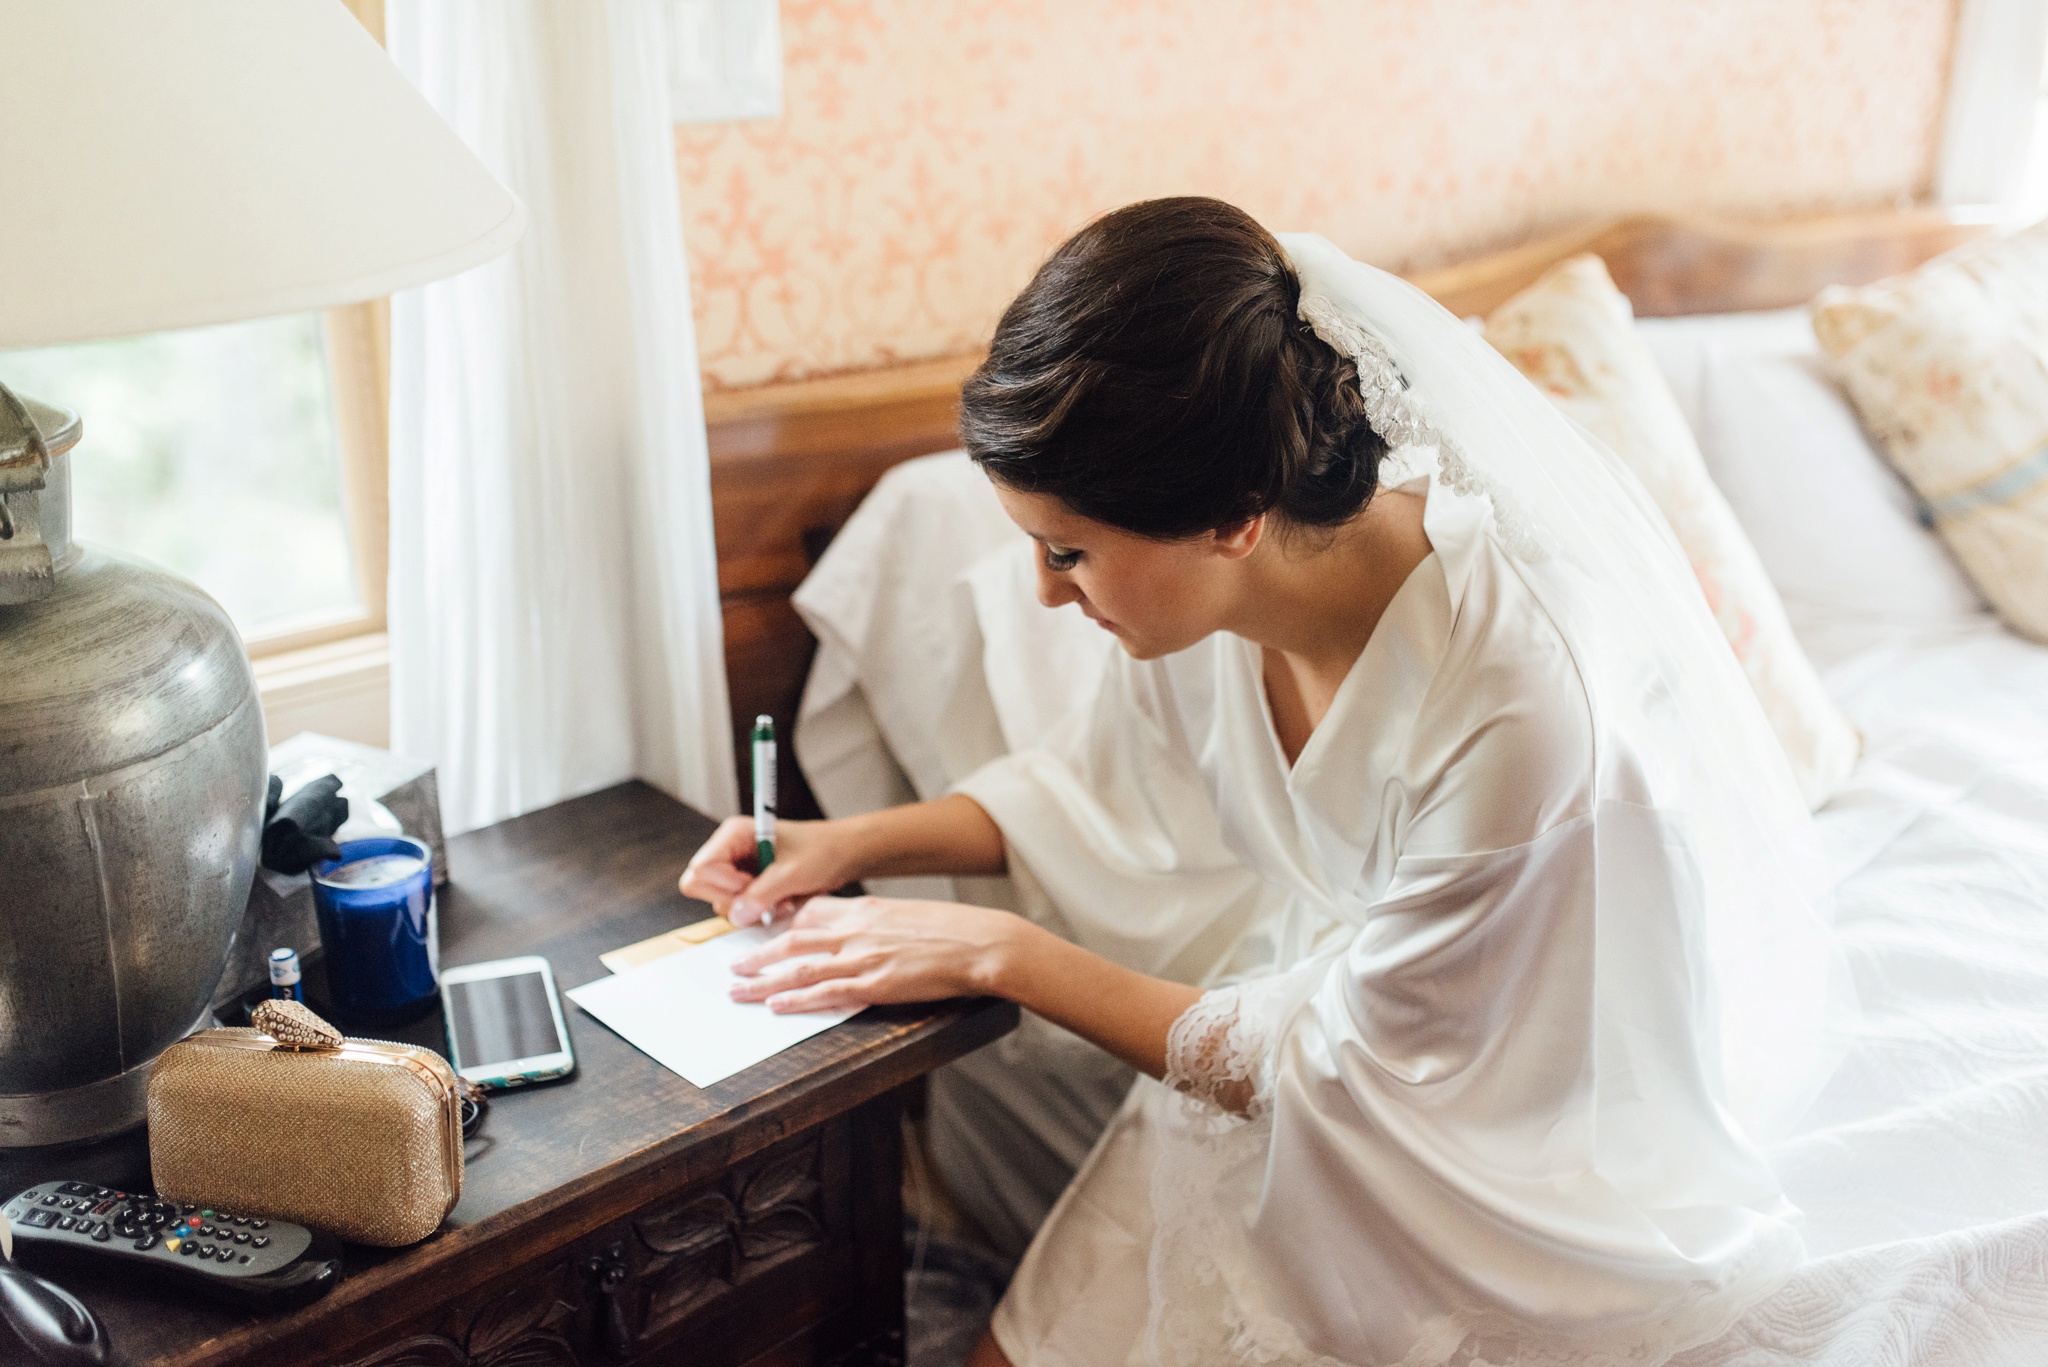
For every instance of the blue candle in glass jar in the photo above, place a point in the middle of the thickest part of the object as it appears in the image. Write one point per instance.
(373, 905)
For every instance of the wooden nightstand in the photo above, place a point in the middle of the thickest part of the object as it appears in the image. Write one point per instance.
(624, 1216)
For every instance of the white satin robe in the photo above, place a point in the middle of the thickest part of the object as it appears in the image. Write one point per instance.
(1488, 1124)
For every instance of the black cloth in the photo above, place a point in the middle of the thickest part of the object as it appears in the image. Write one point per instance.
(299, 831)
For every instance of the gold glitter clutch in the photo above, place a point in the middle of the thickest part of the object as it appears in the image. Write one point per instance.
(292, 1121)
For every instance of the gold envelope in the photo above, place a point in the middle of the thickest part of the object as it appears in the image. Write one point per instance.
(668, 942)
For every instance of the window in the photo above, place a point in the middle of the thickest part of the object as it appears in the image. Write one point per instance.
(252, 458)
(218, 453)
(2031, 203)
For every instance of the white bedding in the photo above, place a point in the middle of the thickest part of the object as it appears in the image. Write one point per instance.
(1923, 1169)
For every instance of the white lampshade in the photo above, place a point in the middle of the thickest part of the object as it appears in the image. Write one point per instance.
(170, 163)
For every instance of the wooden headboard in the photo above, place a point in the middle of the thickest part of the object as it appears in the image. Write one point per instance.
(790, 462)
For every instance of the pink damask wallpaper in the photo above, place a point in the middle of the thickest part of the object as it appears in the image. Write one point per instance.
(932, 151)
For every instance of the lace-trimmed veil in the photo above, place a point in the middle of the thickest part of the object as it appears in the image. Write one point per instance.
(1451, 408)
(1440, 395)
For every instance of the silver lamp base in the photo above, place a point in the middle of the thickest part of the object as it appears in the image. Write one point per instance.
(75, 1114)
(132, 767)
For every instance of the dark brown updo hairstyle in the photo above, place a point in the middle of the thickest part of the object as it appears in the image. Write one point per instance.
(1154, 376)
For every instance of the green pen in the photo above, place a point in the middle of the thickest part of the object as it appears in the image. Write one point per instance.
(764, 790)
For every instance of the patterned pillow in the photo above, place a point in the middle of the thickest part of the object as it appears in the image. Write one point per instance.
(1948, 367)
(1573, 334)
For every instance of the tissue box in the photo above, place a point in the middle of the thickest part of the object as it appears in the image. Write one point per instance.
(406, 787)
(280, 913)
(280, 908)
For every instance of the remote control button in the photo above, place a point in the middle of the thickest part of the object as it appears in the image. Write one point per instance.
(53, 1201)
(42, 1219)
(241, 1236)
(146, 1243)
(259, 1224)
(67, 1221)
(185, 1249)
(101, 1233)
(244, 1258)
(206, 1251)
(242, 1220)
(206, 1229)
(206, 1215)
(75, 1189)
(103, 1207)
(261, 1241)
(188, 1209)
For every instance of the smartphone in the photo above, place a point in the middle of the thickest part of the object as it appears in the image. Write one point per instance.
(505, 1026)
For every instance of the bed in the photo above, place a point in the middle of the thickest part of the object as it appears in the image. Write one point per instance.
(1923, 1170)
(790, 462)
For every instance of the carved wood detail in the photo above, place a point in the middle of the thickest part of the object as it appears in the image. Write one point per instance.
(637, 1280)
(692, 1251)
(528, 1324)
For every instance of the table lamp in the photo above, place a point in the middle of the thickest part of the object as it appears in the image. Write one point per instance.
(166, 165)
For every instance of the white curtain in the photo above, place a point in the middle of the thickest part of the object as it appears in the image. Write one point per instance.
(1994, 91)
(554, 600)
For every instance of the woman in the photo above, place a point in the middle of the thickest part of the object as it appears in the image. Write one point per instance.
(1405, 643)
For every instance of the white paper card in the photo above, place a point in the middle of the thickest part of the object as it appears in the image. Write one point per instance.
(676, 1010)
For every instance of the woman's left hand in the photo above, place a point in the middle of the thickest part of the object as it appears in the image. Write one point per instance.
(860, 951)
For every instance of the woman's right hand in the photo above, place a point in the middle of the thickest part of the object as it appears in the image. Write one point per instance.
(811, 858)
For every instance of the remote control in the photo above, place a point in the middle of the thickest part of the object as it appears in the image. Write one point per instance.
(241, 1259)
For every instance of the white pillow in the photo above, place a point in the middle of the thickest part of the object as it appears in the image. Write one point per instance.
(1572, 333)
(886, 604)
(1837, 531)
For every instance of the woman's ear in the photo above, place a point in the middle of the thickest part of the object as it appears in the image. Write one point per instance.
(1240, 539)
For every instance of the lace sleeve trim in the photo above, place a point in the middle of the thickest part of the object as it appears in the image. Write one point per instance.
(1218, 1054)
